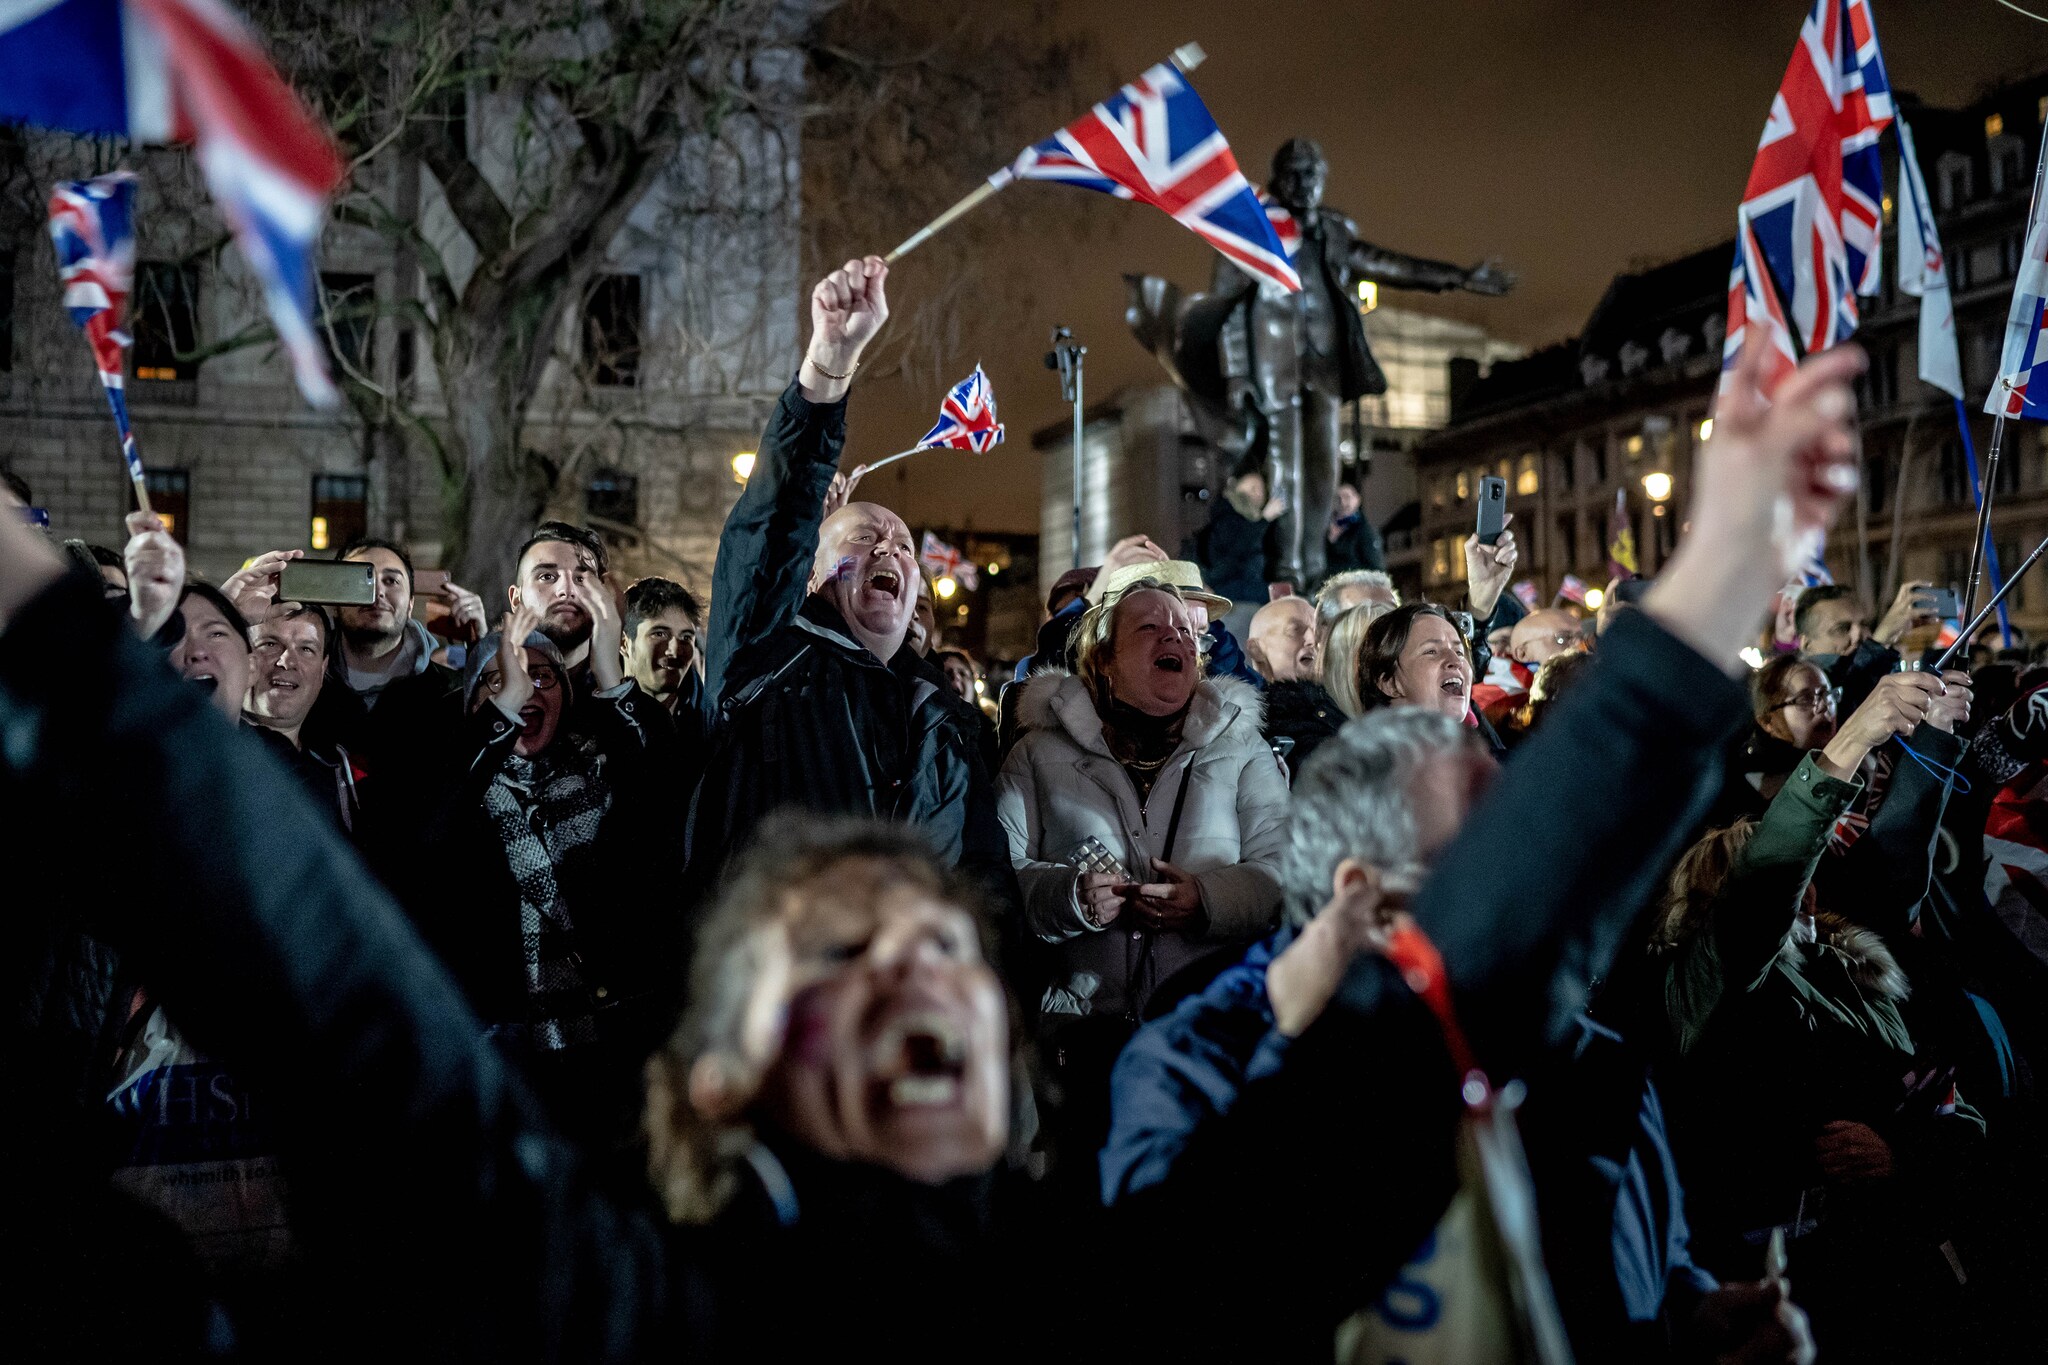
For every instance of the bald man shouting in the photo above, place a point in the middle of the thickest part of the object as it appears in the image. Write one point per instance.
(818, 702)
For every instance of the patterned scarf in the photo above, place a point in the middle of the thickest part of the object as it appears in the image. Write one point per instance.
(544, 809)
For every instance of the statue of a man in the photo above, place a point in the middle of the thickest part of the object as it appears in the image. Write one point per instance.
(1291, 361)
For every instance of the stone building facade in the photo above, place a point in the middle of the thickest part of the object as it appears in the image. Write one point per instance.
(663, 373)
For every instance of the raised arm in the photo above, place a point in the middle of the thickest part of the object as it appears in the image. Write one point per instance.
(765, 551)
(274, 949)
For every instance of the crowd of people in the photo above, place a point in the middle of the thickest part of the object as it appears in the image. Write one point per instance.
(1310, 975)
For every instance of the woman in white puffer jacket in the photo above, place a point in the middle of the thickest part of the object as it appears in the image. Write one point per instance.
(1169, 771)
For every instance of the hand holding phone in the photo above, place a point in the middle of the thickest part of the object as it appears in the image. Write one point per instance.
(348, 582)
(1493, 508)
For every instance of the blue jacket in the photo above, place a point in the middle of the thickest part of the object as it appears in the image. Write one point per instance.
(1613, 1210)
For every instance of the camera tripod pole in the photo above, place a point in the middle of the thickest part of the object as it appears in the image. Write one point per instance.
(1067, 356)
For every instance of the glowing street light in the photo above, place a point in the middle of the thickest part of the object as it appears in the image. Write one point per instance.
(1657, 484)
(1594, 598)
(945, 587)
(1368, 295)
(1706, 430)
(742, 466)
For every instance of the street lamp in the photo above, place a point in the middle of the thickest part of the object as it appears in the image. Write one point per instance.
(742, 466)
(1657, 484)
(945, 587)
(1594, 597)
(1706, 430)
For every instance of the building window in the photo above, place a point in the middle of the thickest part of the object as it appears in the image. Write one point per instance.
(612, 496)
(1954, 181)
(341, 510)
(348, 324)
(1439, 562)
(2008, 164)
(1599, 453)
(6, 311)
(1984, 263)
(170, 497)
(1436, 492)
(2010, 553)
(1994, 125)
(1567, 557)
(1527, 477)
(166, 321)
(1464, 485)
(611, 331)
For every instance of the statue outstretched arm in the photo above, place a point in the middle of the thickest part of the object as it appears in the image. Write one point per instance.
(1402, 271)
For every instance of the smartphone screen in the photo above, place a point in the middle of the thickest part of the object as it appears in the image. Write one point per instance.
(351, 583)
(1493, 508)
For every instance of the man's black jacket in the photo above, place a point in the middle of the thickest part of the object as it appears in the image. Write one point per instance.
(805, 715)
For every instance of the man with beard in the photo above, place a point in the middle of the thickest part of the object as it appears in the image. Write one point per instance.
(821, 702)
(563, 576)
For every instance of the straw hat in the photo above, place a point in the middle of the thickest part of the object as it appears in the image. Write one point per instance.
(1183, 574)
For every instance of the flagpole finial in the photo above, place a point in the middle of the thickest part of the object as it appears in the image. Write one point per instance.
(1188, 56)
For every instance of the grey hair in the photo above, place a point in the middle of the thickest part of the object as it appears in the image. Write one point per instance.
(1328, 608)
(1352, 799)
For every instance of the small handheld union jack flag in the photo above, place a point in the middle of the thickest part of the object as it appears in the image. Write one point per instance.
(92, 224)
(967, 417)
(1154, 141)
(946, 562)
(1809, 231)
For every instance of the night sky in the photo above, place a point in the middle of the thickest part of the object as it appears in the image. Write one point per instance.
(1571, 138)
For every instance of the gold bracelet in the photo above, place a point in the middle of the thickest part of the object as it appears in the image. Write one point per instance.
(827, 373)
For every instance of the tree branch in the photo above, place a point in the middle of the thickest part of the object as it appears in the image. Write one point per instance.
(471, 199)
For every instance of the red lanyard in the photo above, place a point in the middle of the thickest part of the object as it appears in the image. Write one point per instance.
(1422, 967)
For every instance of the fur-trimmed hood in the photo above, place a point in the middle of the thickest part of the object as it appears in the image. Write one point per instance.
(1222, 707)
(1869, 963)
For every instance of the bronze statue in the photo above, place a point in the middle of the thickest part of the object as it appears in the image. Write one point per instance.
(1273, 370)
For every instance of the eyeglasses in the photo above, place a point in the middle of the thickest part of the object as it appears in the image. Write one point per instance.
(1813, 702)
(544, 680)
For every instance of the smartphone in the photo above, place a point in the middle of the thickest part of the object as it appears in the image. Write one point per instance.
(1493, 508)
(1941, 601)
(349, 583)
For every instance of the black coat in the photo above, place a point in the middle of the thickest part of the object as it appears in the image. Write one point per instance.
(806, 715)
(1232, 552)
(442, 1209)
(1358, 546)
(1303, 713)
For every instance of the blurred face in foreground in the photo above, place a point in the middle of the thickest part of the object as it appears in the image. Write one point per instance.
(882, 1031)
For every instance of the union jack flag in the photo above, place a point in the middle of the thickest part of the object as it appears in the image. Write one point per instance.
(1284, 226)
(1154, 141)
(1808, 234)
(1572, 589)
(943, 561)
(2013, 393)
(967, 417)
(92, 224)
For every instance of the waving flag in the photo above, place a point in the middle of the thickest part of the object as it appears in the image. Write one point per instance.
(967, 418)
(92, 225)
(2021, 390)
(1923, 273)
(1154, 141)
(943, 561)
(1572, 589)
(189, 71)
(1807, 236)
(1285, 227)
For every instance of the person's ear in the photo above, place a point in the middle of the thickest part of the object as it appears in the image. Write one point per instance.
(721, 1086)
(512, 596)
(1351, 875)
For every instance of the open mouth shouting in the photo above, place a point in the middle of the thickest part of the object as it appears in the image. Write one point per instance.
(919, 1061)
(206, 682)
(1173, 662)
(883, 579)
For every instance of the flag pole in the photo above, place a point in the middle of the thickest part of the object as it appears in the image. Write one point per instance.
(863, 470)
(1976, 623)
(1185, 58)
(1990, 551)
(1990, 483)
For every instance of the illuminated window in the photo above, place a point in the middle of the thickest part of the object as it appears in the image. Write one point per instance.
(1505, 472)
(1464, 485)
(1994, 124)
(1436, 491)
(170, 497)
(1368, 296)
(1634, 446)
(341, 510)
(166, 320)
(1439, 561)
(1527, 479)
